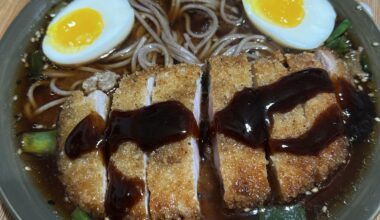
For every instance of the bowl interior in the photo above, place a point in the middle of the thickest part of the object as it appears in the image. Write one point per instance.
(26, 202)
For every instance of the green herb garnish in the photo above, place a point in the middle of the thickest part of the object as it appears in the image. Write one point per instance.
(36, 64)
(338, 41)
(79, 214)
(296, 212)
(39, 142)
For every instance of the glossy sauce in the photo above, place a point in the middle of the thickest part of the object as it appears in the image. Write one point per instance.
(248, 117)
(149, 127)
(327, 127)
(152, 126)
(86, 136)
(122, 193)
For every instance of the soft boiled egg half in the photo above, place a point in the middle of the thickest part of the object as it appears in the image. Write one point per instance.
(299, 24)
(86, 29)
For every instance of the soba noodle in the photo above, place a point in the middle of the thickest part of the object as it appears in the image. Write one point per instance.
(157, 41)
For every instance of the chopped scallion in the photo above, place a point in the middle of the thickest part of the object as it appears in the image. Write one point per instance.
(79, 214)
(364, 62)
(296, 212)
(36, 64)
(339, 31)
(39, 142)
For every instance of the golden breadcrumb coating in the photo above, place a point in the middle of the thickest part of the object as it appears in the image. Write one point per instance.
(242, 169)
(84, 177)
(171, 169)
(129, 159)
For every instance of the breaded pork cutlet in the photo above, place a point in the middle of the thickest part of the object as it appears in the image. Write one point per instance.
(334, 155)
(84, 177)
(134, 92)
(242, 169)
(173, 169)
(297, 174)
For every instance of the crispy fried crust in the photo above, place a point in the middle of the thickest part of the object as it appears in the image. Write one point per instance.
(228, 76)
(171, 169)
(132, 92)
(84, 177)
(177, 83)
(297, 174)
(171, 182)
(336, 67)
(244, 174)
(129, 159)
(334, 155)
(242, 169)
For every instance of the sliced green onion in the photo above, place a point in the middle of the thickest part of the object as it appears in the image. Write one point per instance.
(364, 62)
(341, 45)
(39, 142)
(36, 64)
(340, 30)
(79, 214)
(296, 212)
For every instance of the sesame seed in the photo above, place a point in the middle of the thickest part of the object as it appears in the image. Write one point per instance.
(15, 98)
(19, 151)
(247, 210)
(106, 218)
(314, 190)
(360, 88)
(375, 44)
(308, 193)
(359, 7)
(377, 119)
(324, 209)
(27, 168)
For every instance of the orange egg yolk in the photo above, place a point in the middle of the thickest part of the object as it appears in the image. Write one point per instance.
(284, 13)
(76, 30)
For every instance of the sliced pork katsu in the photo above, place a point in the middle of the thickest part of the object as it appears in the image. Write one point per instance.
(173, 169)
(296, 173)
(242, 169)
(82, 168)
(335, 154)
(128, 159)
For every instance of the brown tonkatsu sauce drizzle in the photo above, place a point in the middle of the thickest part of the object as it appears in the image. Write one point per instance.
(86, 136)
(149, 127)
(122, 193)
(152, 126)
(248, 117)
(326, 129)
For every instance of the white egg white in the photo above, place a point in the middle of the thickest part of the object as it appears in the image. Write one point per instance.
(118, 17)
(316, 27)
